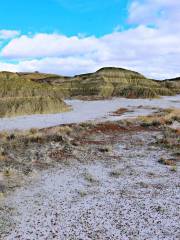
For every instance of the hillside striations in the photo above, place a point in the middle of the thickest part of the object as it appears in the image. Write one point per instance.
(37, 93)
(21, 96)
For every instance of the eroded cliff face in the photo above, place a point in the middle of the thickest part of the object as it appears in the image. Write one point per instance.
(108, 82)
(21, 96)
(173, 84)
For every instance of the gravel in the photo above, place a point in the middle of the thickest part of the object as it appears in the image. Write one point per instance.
(87, 201)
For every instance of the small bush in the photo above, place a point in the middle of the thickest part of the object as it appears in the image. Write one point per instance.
(169, 162)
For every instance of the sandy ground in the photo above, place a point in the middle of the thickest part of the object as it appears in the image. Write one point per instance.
(91, 110)
(121, 194)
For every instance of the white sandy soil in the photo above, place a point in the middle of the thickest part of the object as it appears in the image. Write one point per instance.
(131, 197)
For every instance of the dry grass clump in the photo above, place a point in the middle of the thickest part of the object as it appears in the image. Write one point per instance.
(168, 120)
(173, 115)
(82, 193)
(169, 162)
(174, 168)
(2, 157)
(3, 135)
(116, 173)
(119, 112)
(90, 178)
(172, 163)
(7, 172)
(3, 154)
(65, 129)
(33, 131)
(170, 139)
(165, 117)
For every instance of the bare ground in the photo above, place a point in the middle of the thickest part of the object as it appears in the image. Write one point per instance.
(107, 183)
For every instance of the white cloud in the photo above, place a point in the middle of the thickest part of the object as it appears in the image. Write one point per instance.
(153, 51)
(144, 49)
(161, 13)
(51, 45)
(8, 34)
(8, 67)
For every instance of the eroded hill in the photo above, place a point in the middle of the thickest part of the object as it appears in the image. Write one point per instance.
(108, 82)
(36, 93)
(173, 83)
(21, 96)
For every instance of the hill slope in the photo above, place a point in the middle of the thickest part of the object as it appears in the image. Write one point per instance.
(108, 82)
(173, 83)
(21, 96)
(31, 93)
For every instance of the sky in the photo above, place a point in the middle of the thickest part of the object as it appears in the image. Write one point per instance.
(76, 36)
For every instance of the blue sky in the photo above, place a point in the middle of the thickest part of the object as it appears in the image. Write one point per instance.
(76, 36)
(69, 17)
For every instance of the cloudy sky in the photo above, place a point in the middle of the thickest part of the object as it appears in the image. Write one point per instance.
(76, 36)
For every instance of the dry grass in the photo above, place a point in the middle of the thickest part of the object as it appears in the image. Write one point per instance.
(164, 117)
(90, 178)
(33, 131)
(65, 129)
(169, 162)
(2, 157)
(119, 112)
(116, 173)
(173, 114)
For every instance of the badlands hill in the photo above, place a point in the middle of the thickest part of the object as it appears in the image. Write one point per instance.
(108, 82)
(34, 93)
(172, 83)
(21, 96)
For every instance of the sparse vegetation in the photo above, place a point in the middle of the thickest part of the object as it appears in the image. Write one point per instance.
(82, 193)
(174, 168)
(2, 157)
(119, 112)
(90, 178)
(163, 117)
(169, 162)
(7, 172)
(116, 173)
(33, 130)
